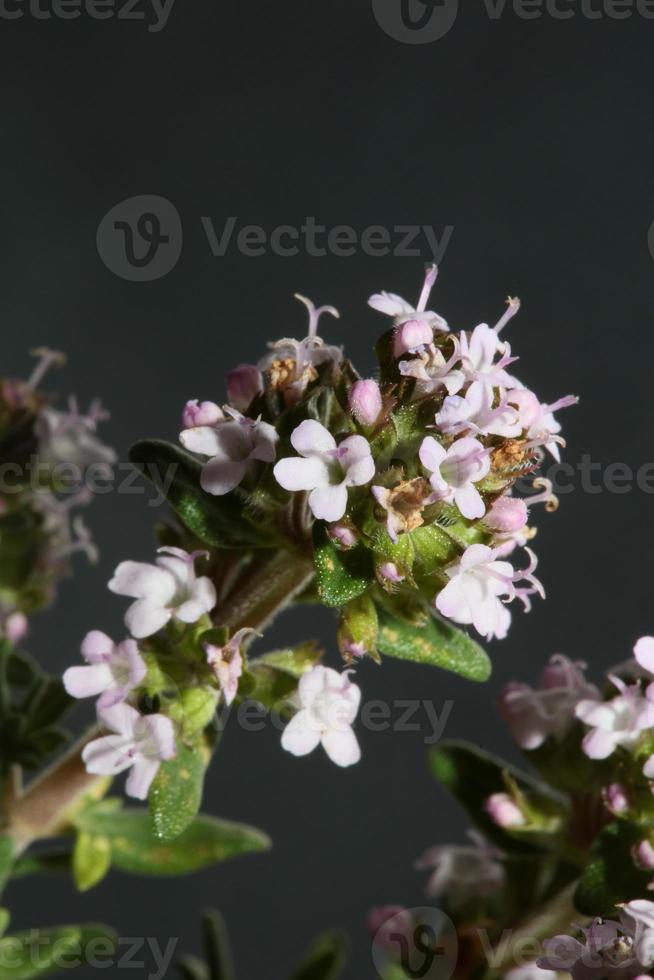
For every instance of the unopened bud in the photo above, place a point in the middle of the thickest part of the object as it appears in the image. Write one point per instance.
(390, 573)
(411, 334)
(201, 413)
(14, 627)
(643, 855)
(343, 535)
(504, 812)
(507, 515)
(365, 402)
(616, 799)
(244, 383)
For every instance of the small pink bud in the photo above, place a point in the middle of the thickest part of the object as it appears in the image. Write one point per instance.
(15, 627)
(388, 922)
(507, 515)
(616, 799)
(342, 535)
(643, 855)
(390, 572)
(365, 402)
(201, 413)
(244, 383)
(411, 334)
(504, 812)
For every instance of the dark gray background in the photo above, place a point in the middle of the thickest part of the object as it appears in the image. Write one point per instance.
(533, 139)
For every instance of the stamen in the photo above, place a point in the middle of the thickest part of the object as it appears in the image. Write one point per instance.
(315, 314)
(47, 358)
(512, 308)
(431, 274)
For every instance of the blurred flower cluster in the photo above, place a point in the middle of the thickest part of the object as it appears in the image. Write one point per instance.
(45, 454)
(562, 860)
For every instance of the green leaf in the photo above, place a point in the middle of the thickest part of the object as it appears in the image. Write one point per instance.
(42, 952)
(5, 919)
(176, 792)
(192, 968)
(432, 641)
(219, 957)
(52, 862)
(340, 575)
(135, 849)
(472, 775)
(91, 860)
(293, 660)
(217, 521)
(610, 875)
(6, 859)
(325, 961)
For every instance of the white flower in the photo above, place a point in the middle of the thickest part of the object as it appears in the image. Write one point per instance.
(113, 670)
(475, 412)
(168, 590)
(538, 418)
(232, 445)
(329, 704)
(140, 742)
(454, 472)
(432, 372)
(71, 437)
(616, 722)
(327, 470)
(462, 870)
(478, 582)
(478, 353)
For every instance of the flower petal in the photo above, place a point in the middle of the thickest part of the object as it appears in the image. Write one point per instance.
(644, 653)
(107, 756)
(120, 718)
(431, 454)
(342, 747)
(311, 438)
(219, 476)
(202, 439)
(300, 737)
(140, 778)
(295, 473)
(328, 503)
(143, 618)
(142, 581)
(97, 647)
(87, 682)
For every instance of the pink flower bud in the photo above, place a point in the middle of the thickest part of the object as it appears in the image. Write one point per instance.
(643, 855)
(201, 413)
(244, 383)
(15, 627)
(411, 334)
(507, 515)
(504, 812)
(616, 799)
(365, 402)
(390, 572)
(342, 535)
(388, 922)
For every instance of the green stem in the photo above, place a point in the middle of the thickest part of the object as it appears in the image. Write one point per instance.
(270, 588)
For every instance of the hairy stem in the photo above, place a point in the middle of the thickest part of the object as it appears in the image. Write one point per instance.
(269, 587)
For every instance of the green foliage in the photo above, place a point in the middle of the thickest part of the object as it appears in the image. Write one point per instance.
(220, 522)
(6, 859)
(134, 848)
(340, 575)
(272, 678)
(219, 965)
(325, 961)
(359, 627)
(432, 641)
(42, 952)
(176, 792)
(610, 875)
(472, 775)
(91, 859)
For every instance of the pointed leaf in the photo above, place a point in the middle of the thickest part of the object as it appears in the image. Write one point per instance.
(217, 521)
(91, 860)
(176, 793)
(432, 641)
(340, 575)
(219, 957)
(325, 961)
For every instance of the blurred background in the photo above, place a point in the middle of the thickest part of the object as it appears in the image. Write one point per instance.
(525, 144)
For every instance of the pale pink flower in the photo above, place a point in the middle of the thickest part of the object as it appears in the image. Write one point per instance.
(14, 627)
(227, 662)
(432, 371)
(478, 583)
(621, 950)
(233, 446)
(475, 412)
(167, 590)
(455, 471)
(329, 703)
(365, 402)
(644, 655)
(538, 419)
(414, 326)
(463, 870)
(616, 799)
(113, 670)
(71, 437)
(325, 469)
(504, 812)
(534, 715)
(614, 723)
(478, 352)
(507, 515)
(198, 413)
(244, 383)
(139, 742)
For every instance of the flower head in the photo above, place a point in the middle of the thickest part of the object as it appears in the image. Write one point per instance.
(112, 670)
(167, 590)
(233, 445)
(614, 723)
(139, 742)
(325, 469)
(329, 703)
(462, 870)
(414, 326)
